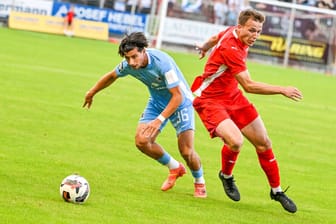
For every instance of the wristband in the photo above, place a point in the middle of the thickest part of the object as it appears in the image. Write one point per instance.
(161, 118)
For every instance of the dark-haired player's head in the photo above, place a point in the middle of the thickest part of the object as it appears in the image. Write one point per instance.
(131, 41)
(133, 49)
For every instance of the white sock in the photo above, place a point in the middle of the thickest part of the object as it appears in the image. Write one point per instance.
(276, 189)
(172, 164)
(227, 176)
(199, 180)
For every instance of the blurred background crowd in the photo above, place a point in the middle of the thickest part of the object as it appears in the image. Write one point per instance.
(221, 12)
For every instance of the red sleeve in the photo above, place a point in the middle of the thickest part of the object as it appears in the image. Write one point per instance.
(219, 35)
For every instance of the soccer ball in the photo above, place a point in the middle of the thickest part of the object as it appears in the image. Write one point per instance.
(75, 189)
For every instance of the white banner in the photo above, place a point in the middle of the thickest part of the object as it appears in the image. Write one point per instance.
(188, 32)
(40, 7)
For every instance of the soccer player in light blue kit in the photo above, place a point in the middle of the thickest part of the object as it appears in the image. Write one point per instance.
(170, 99)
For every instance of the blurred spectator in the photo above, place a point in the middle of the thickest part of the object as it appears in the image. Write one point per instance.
(307, 2)
(220, 10)
(119, 5)
(233, 11)
(208, 11)
(310, 31)
(327, 4)
(132, 5)
(240, 4)
(244, 4)
(193, 6)
(145, 6)
(171, 6)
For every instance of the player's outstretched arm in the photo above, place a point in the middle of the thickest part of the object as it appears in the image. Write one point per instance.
(102, 83)
(251, 86)
(203, 48)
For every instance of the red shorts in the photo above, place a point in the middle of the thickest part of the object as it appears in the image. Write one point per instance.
(212, 112)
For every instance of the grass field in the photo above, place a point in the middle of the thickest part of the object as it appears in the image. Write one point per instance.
(45, 135)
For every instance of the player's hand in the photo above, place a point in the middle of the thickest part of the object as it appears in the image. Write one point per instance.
(200, 50)
(151, 128)
(293, 93)
(88, 100)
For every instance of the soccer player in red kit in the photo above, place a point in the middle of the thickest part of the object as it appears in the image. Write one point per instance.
(227, 113)
(68, 21)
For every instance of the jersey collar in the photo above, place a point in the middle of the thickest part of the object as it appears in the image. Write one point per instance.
(148, 59)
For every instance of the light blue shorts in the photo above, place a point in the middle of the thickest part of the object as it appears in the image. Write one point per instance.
(182, 119)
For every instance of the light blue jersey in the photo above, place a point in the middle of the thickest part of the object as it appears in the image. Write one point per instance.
(159, 76)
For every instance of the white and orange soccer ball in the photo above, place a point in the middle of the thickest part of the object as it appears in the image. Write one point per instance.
(75, 188)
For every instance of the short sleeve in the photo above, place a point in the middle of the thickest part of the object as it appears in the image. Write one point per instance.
(122, 69)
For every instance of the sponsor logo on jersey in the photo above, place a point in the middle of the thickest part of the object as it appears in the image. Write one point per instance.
(171, 77)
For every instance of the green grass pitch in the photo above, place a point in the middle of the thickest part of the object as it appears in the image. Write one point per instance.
(45, 135)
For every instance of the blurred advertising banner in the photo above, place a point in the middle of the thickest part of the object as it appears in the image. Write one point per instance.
(41, 7)
(118, 22)
(271, 43)
(300, 49)
(55, 25)
(309, 35)
(187, 32)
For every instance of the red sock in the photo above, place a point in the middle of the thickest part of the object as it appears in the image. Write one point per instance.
(270, 166)
(229, 158)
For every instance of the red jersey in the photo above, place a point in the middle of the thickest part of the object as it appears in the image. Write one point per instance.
(70, 15)
(226, 60)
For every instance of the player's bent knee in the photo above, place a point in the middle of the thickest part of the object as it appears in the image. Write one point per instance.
(141, 142)
(190, 155)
